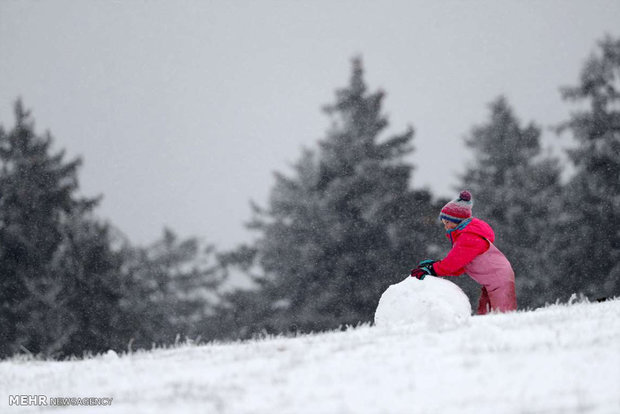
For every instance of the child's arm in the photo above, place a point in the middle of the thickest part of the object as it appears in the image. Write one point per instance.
(466, 249)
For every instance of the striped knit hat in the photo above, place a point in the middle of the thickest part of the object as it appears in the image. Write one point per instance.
(459, 209)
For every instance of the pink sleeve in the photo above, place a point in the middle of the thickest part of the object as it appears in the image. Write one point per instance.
(466, 248)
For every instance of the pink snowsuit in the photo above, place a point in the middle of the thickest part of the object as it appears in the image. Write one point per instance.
(474, 253)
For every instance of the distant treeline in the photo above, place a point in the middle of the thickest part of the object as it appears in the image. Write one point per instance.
(342, 226)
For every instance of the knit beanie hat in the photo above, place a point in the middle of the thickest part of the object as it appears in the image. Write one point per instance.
(459, 209)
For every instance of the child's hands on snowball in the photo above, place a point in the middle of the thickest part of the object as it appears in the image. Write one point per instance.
(425, 267)
(420, 273)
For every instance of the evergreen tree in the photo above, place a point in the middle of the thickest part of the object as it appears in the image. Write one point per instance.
(89, 270)
(514, 188)
(344, 226)
(174, 284)
(588, 240)
(67, 285)
(58, 274)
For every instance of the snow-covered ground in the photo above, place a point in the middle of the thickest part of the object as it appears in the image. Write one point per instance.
(559, 359)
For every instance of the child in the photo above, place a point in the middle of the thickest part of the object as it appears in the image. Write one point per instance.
(474, 253)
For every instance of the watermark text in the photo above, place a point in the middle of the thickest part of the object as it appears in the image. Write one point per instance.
(44, 400)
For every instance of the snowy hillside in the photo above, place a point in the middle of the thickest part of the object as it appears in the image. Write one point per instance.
(560, 359)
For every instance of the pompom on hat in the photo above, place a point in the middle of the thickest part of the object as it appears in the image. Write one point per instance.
(459, 209)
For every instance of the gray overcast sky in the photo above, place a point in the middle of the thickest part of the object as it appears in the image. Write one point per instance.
(182, 110)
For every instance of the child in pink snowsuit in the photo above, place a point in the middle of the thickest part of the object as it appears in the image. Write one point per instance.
(474, 253)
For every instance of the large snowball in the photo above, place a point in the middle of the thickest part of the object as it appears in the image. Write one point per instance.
(433, 302)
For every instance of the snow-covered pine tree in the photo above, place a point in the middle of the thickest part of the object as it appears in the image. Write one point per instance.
(346, 224)
(60, 280)
(514, 187)
(587, 243)
(174, 286)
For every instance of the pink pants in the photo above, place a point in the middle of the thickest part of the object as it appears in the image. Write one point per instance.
(493, 271)
(499, 299)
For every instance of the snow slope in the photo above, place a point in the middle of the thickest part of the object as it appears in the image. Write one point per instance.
(560, 359)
